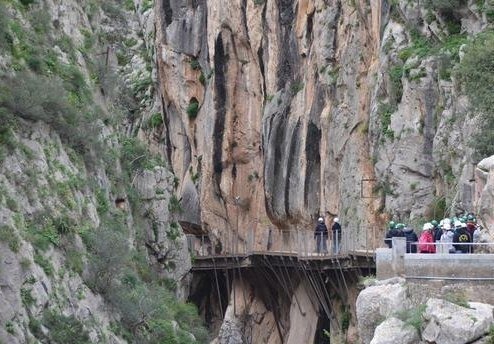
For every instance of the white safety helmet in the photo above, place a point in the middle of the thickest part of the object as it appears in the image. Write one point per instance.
(427, 226)
(321, 220)
(336, 219)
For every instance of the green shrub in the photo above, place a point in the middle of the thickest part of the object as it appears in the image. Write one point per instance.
(44, 263)
(194, 64)
(146, 5)
(135, 156)
(155, 120)
(346, 317)
(42, 233)
(413, 317)
(9, 327)
(64, 329)
(129, 5)
(476, 75)
(8, 235)
(27, 3)
(444, 5)
(74, 260)
(102, 202)
(193, 108)
(26, 297)
(490, 339)
(5, 36)
(173, 232)
(174, 205)
(385, 111)
(297, 87)
(202, 79)
(37, 97)
(458, 298)
(109, 254)
(396, 85)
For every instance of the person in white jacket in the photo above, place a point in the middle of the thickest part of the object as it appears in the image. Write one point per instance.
(447, 239)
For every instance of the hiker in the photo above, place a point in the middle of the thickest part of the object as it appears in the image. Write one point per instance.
(472, 230)
(395, 230)
(447, 239)
(426, 240)
(411, 239)
(437, 231)
(321, 236)
(336, 235)
(461, 238)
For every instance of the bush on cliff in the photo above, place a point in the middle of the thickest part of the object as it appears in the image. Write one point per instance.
(476, 75)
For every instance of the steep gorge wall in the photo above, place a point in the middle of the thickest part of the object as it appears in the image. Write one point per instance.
(284, 94)
(90, 251)
(278, 111)
(312, 107)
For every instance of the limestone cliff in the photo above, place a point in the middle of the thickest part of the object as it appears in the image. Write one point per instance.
(125, 123)
(90, 247)
(276, 112)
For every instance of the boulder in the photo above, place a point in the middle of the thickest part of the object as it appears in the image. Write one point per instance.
(395, 331)
(448, 323)
(377, 303)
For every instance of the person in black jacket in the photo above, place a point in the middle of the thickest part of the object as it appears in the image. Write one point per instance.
(321, 236)
(394, 231)
(411, 239)
(461, 238)
(437, 231)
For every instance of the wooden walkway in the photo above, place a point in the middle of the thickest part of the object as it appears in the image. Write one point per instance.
(351, 260)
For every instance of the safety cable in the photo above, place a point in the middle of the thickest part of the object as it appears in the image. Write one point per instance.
(342, 275)
(319, 293)
(320, 286)
(285, 288)
(292, 288)
(303, 277)
(218, 289)
(273, 309)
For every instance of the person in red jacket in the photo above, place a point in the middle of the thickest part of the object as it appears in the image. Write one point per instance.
(426, 240)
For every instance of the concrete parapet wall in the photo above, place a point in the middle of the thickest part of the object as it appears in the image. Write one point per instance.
(390, 263)
(443, 265)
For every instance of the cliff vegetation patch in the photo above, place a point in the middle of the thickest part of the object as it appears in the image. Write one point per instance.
(476, 75)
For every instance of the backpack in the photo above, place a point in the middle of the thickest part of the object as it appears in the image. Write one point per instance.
(426, 243)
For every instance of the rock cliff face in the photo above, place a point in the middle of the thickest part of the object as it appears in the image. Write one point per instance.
(142, 120)
(276, 112)
(90, 247)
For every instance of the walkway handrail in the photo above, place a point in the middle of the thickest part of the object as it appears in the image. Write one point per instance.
(302, 243)
(444, 247)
